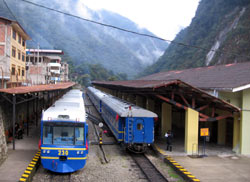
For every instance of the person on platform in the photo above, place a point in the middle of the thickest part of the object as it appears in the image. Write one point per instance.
(18, 131)
(169, 137)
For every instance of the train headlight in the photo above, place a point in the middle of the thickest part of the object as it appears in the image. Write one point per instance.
(81, 152)
(44, 151)
(48, 151)
(78, 152)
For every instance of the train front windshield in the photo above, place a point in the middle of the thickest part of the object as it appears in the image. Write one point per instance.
(63, 134)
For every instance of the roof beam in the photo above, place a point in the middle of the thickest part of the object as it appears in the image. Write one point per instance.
(183, 98)
(172, 102)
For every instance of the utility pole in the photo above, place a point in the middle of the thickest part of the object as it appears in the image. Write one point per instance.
(37, 63)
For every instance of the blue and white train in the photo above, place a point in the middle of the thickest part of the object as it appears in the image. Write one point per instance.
(131, 125)
(64, 144)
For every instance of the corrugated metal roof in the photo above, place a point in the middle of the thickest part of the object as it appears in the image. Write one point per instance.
(37, 88)
(224, 77)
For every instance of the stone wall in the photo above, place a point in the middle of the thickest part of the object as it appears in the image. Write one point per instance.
(3, 145)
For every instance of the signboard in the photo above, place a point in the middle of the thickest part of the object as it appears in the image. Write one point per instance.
(204, 132)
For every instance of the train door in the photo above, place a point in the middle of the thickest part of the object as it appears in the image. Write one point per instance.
(139, 130)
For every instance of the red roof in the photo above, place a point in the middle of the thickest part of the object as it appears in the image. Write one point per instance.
(37, 88)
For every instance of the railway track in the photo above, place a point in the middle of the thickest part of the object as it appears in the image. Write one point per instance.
(144, 164)
(55, 177)
(96, 131)
(148, 168)
(105, 159)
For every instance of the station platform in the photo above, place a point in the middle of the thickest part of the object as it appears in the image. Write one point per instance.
(219, 165)
(18, 160)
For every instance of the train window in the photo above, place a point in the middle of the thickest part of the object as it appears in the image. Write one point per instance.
(79, 136)
(47, 135)
(63, 116)
(63, 135)
(139, 126)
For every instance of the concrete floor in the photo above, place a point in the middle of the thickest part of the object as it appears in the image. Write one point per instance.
(218, 168)
(25, 149)
(220, 165)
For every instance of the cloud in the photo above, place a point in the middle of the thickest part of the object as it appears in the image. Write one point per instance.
(82, 10)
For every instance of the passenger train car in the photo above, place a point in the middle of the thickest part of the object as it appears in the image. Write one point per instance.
(64, 145)
(131, 125)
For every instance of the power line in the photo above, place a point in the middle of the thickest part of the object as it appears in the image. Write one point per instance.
(9, 10)
(133, 32)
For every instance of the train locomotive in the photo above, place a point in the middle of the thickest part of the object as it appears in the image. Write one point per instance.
(64, 143)
(131, 125)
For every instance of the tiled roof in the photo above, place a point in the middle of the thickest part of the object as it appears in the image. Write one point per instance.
(37, 88)
(225, 77)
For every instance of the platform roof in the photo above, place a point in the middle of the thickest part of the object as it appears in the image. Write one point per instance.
(37, 88)
(229, 77)
(177, 92)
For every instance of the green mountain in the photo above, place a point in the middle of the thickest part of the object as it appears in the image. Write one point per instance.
(85, 42)
(220, 28)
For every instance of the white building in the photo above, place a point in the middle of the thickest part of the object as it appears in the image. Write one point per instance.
(45, 66)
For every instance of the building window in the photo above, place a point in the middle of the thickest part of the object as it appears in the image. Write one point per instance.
(19, 71)
(13, 52)
(23, 43)
(22, 72)
(19, 39)
(13, 70)
(23, 57)
(32, 59)
(19, 55)
(14, 34)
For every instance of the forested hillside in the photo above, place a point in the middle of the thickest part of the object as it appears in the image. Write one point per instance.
(85, 42)
(219, 25)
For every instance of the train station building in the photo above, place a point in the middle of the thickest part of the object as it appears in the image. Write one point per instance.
(215, 98)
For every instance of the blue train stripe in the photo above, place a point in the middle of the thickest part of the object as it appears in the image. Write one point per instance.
(77, 158)
(42, 157)
(114, 129)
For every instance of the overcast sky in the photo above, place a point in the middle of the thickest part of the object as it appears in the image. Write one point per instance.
(165, 18)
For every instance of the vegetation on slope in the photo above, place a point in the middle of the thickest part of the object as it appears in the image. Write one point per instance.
(84, 73)
(212, 17)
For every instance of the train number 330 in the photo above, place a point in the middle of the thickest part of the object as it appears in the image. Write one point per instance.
(63, 152)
